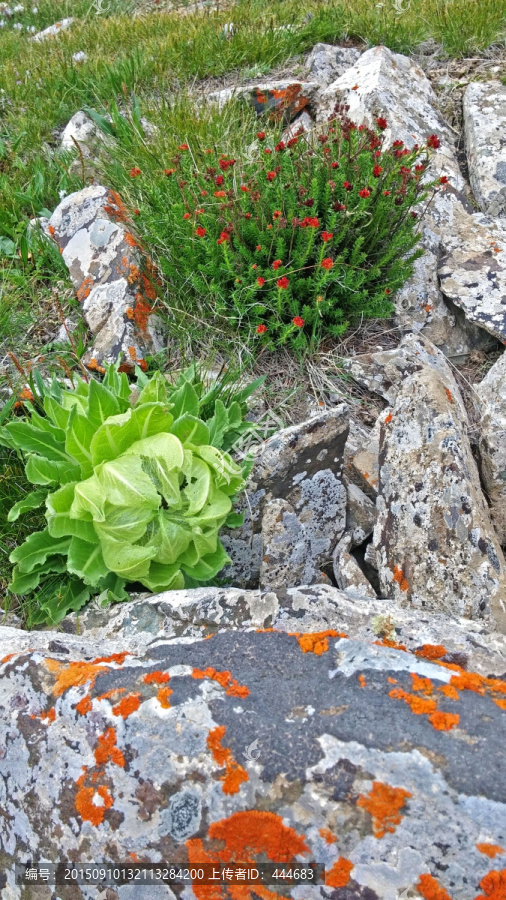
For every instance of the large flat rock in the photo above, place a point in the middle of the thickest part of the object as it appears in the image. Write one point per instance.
(435, 544)
(377, 762)
(484, 107)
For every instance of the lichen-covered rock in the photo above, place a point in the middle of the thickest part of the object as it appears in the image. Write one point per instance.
(492, 399)
(112, 279)
(284, 99)
(360, 515)
(434, 541)
(298, 538)
(301, 464)
(348, 574)
(472, 269)
(326, 62)
(197, 750)
(362, 461)
(484, 106)
(80, 128)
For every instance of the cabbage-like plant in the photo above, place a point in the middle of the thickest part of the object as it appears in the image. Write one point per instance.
(136, 485)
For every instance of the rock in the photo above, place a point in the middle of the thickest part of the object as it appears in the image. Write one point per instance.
(327, 62)
(82, 129)
(472, 270)
(167, 752)
(298, 538)
(285, 98)
(304, 122)
(435, 544)
(106, 267)
(53, 30)
(303, 466)
(360, 515)
(484, 106)
(362, 463)
(492, 399)
(349, 576)
(80, 56)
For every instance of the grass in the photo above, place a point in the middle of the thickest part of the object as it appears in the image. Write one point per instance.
(163, 58)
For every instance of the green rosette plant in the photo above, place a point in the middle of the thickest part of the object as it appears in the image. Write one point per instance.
(136, 485)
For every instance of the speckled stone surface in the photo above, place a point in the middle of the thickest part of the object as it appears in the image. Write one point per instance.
(492, 400)
(106, 268)
(472, 269)
(302, 465)
(360, 515)
(284, 99)
(327, 62)
(52, 30)
(484, 107)
(378, 762)
(348, 574)
(434, 541)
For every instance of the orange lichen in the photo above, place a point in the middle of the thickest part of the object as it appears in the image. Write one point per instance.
(7, 658)
(243, 839)
(500, 703)
(339, 874)
(490, 850)
(469, 681)
(388, 418)
(493, 886)
(85, 289)
(387, 642)
(50, 715)
(116, 208)
(132, 352)
(400, 579)
(112, 693)
(51, 230)
(449, 691)
(418, 705)
(430, 889)
(127, 705)
(234, 773)
(163, 697)
(316, 641)
(76, 674)
(134, 273)
(157, 677)
(361, 680)
(449, 394)
(84, 706)
(85, 805)
(431, 651)
(129, 312)
(142, 312)
(327, 835)
(422, 685)
(130, 240)
(106, 749)
(148, 288)
(231, 686)
(443, 721)
(383, 803)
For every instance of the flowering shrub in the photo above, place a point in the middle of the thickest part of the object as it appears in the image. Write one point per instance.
(133, 491)
(312, 234)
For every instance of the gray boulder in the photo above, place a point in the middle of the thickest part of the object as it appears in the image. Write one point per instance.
(492, 401)
(327, 62)
(484, 106)
(193, 750)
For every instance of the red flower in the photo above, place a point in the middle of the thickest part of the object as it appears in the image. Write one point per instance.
(280, 146)
(334, 165)
(377, 171)
(298, 321)
(220, 193)
(261, 329)
(198, 212)
(276, 214)
(339, 207)
(413, 214)
(261, 135)
(310, 221)
(420, 168)
(267, 150)
(203, 193)
(226, 163)
(271, 176)
(224, 236)
(443, 179)
(347, 186)
(245, 188)
(388, 290)
(200, 232)
(183, 147)
(167, 171)
(398, 144)
(277, 264)
(260, 281)
(282, 283)
(433, 142)
(327, 236)
(247, 215)
(381, 123)
(364, 193)
(134, 172)
(219, 180)
(258, 247)
(254, 266)
(186, 216)
(292, 142)
(136, 212)
(327, 263)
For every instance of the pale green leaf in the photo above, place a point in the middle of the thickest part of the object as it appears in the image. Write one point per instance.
(185, 400)
(36, 549)
(101, 404)
(124, 523)
(155, 391)
(32, 501)
(227, 472)
(163, 578)
(80, 432)
(56, 412)
(23, 583)
(218, 424)
(208, 566)
(69, 597)
(197, 489)
(125, 484)
(31, 439)
(171, 538)
(59, 521)
(129, 561)
(118, 433)
(89, 500)
(86, 561)
(191, 430)
(48, 471)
